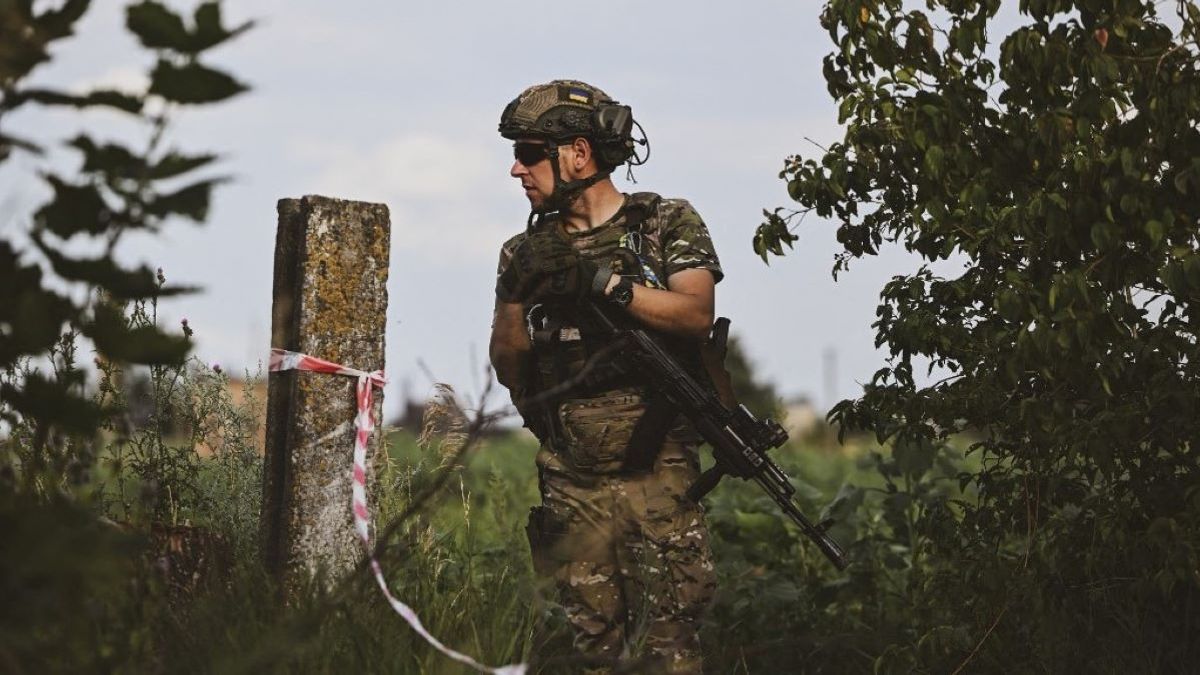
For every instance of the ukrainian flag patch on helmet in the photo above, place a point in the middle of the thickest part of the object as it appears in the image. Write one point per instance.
(577, 95)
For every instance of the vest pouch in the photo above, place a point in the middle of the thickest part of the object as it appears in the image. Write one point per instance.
(597, 430)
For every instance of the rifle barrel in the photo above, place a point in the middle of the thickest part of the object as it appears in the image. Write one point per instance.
(827, 544)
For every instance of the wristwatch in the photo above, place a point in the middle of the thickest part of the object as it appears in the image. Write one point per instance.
(621, 294)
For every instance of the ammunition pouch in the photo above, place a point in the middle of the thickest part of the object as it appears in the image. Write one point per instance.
(597, 431)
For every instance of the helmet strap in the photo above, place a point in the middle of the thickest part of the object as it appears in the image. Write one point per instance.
(566, 192)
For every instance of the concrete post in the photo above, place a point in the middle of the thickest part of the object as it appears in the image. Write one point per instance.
(330, 301)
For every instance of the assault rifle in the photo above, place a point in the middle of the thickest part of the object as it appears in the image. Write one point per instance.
(739, 441)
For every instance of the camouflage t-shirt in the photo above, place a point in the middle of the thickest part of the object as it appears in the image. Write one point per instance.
(672, 238)
(669, 237)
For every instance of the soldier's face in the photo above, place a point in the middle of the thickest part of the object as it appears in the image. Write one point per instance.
(531, 166)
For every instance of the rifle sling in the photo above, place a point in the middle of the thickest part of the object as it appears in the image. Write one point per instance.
(648, 435)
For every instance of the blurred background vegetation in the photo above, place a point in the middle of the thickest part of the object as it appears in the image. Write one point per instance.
(1037, 510)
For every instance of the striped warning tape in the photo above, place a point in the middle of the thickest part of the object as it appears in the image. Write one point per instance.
(364, 426)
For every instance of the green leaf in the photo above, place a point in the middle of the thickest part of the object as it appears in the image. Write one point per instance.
(895, 512)
(760, 246)
(52, 402)
(1009, 305)
(795, 189)
(7, 143)
(156, 26)
(101, 97)
(1172, 276)
(74, 209)
(144, 344)
(1104, 235)
(914, 456)
(109, 158)
(1191, 269)
(1155, 230)
(60, 23)
(105, 273)
(209, 32)
(963, 40)
(934, 160)
(118, 161)
(112, 99)
(159, 28)
(845, 109)
(36, 317)
(759, 526)
(174, 164)
(191, 202)
(1127, 162)
(848, 500)
(192, 83)
(32, 315)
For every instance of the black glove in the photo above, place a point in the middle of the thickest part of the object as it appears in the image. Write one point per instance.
(541, 253)
(545, 268)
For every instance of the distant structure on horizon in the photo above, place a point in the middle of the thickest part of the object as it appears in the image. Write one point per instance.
(801, 417)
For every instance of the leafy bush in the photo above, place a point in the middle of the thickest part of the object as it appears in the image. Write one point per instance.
(1062, 176)
(78, 488)
(117, 190)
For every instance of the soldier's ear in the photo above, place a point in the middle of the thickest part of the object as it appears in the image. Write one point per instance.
(583, 153)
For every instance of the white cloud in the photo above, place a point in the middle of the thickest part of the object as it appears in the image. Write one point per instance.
(447, 197)
(409, 166)
(126, 79)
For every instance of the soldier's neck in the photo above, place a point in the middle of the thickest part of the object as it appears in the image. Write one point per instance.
(595, 206)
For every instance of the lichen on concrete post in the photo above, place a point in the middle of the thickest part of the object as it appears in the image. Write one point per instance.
(330, 301)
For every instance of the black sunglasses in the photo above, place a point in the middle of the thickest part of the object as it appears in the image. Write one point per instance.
(529, 154)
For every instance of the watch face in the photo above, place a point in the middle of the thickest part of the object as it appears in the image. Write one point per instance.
(622, 293)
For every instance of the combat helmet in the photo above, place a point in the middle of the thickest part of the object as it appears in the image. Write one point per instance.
(562, 110)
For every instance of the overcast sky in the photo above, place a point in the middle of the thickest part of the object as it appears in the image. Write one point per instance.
(398, 103)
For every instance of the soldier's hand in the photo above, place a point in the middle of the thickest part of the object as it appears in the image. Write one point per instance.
(546, 268)
(540, 254)
(570, 284)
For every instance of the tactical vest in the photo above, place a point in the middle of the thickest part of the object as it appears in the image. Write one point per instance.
(565, 339)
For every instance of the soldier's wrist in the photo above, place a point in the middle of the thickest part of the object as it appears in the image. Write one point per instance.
(621, 293)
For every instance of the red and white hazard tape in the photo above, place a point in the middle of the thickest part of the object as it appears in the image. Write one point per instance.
(364, 426)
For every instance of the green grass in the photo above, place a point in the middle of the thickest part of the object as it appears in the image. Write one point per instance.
(767, 569)
(463, 564)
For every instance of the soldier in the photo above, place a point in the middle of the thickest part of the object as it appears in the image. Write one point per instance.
(627, 551)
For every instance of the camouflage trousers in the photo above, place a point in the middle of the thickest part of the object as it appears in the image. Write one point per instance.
(629, 558)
